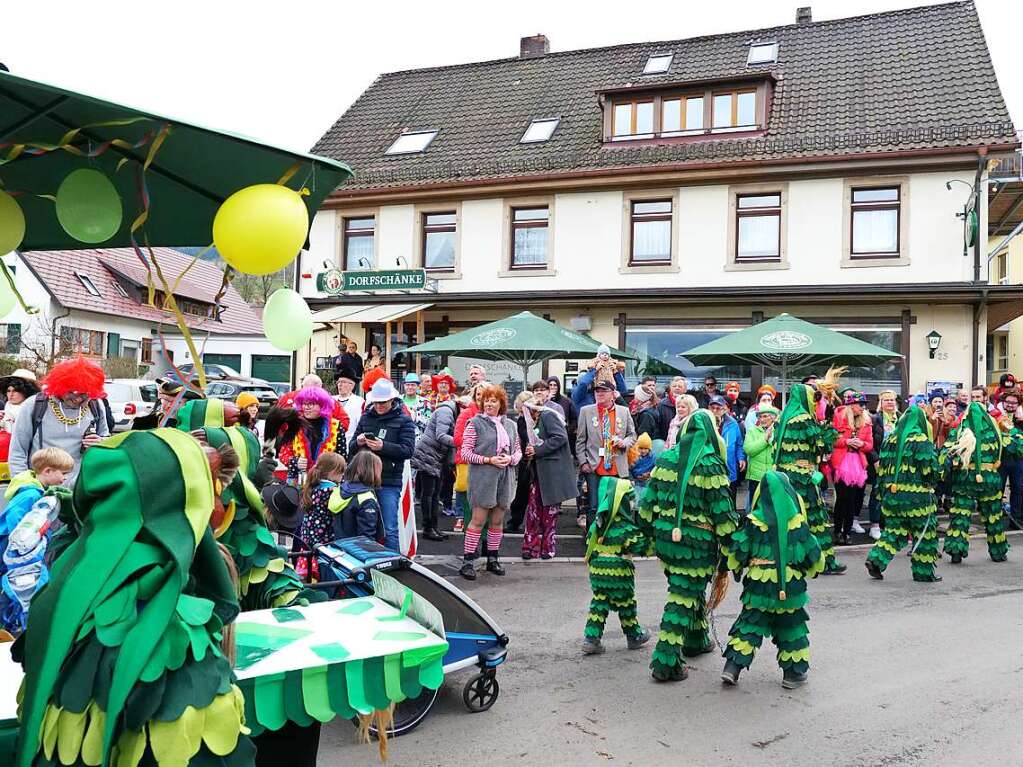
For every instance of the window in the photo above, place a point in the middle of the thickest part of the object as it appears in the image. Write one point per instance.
(120, 288)
(735, 110)
(651, 232)
(875, 222)
(661, 351)
(87, 284)
(762, 53)
(869, 379)
(359, 246)
(681, 115)
(77, 340)
(10, 338)
(439, 241)
(412, 143)
(633, 119)
(657, 64)
(529, 237)
(1001, 352)
(147, 350)
(1002, 263)
(540, 131)
(758, 227)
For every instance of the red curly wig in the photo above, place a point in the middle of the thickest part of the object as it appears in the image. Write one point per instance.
(77, 375)
(371, 377)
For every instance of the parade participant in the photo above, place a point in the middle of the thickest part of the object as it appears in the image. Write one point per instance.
(687, 511)
(491, 447)
(248, 412)
(759, 448)
(612, 540)
(779, 555)
(766, 395)
(972, 455)
(350, 402)
(849, 461)
(17, 387)
(802, 440)
(443, 388)
(606, 432)
(171, 395)
(906, 476)
(66, 414)
(124, 654)
(311, 429)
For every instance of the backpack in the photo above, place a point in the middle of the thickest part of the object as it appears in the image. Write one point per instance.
(39, 412)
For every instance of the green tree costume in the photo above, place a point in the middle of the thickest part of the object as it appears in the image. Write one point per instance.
(612, 540)
(778, 555)
(687, 510)
(801, 442)
(906, 475)
(265, 578)
(975, 482)
(121, 655)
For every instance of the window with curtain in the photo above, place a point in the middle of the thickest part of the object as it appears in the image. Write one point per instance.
(529, 237)
(439, 241)
(758, 227)
(651, 232)
(359, 235)
(875, 222)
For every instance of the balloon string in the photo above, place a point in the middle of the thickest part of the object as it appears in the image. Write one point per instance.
(38, 149)
(288, 174)
(10, 282)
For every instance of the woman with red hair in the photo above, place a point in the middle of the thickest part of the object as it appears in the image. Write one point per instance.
(68, 414)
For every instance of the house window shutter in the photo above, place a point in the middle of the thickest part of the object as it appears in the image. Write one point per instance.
(113, 345)
(14, 338)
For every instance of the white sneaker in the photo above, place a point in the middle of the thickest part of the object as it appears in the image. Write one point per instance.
(857, 527)
(875, 532)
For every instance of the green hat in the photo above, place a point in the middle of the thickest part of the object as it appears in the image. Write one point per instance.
(800, 401)
(768, 409)
(200, 413)
(775, 503)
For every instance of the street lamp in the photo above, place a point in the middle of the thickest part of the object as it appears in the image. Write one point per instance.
(933, 342)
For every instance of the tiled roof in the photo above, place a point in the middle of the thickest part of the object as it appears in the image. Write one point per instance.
(56, 269)
(911, 79)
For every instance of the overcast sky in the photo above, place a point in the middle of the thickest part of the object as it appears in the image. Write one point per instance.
(284, 71)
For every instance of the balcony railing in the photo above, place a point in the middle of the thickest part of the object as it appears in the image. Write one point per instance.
(1010, 167)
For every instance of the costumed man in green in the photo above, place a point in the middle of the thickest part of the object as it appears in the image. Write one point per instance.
(687, 511)
(803, 437)
(972, 454)
(265, 578)
(906, 476)
(612, 540)
(123, 655)
(779, 555)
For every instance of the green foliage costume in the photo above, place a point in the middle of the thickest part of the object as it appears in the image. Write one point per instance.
(801, 442)
(265, 578)
(972, 455)
(779, 554)
(613, 538)
(687, 511)
(907, 473)
(121, 655)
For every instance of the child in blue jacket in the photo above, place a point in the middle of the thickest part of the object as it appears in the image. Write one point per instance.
(354, 506)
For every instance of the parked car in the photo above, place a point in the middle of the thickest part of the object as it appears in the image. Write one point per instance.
(129, 397)
(214, 372)
(229, 389)
(280, 387)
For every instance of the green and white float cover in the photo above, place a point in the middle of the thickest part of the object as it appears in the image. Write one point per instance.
(10, 683)
(342, 658)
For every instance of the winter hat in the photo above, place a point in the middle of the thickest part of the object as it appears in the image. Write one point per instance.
(643, 440)
(770, 410)
(412, 378)
(853, 397)
(641, 395)
(383, 391)
(935, 393)
(245, 399)
(1004, 380)
(604, 349)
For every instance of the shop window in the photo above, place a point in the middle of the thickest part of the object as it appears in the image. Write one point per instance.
(661, 350)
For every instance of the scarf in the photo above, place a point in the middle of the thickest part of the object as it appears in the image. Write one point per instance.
(503, 443)
(532, 423)
(606, 418)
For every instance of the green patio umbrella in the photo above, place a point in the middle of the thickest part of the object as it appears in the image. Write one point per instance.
(523, 339)
(47, 132)
(788, 343)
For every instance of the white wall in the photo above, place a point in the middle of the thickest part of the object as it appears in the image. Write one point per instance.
(246, 346)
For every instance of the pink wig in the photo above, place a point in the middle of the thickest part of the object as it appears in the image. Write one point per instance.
(315, 395)
(77, 375)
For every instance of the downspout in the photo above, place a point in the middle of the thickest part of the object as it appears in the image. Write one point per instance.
(53, 332)
(978, 310)
(978, 178)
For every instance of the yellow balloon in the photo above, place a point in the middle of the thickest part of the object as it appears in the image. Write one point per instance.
(12, 224)
(260, 229)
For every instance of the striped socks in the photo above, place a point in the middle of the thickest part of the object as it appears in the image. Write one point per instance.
(472, 541)
(494, 536)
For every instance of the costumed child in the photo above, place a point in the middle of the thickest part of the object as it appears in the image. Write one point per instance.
(316, 528)
(687, 510)
(641, 462)
(907, 474)
(972, 455)
(779, 555)
(353, 506)
(604, 367)
(612, 540)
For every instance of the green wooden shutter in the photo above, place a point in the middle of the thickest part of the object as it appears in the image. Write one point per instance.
(13, 338)
(113, 345)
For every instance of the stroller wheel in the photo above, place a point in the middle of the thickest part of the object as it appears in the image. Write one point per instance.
(407, 714)
(480, 692)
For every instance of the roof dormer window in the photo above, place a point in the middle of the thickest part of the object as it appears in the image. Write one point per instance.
(412, 143)
(88, 284)
(762, 53)
(658, 64)
(540, 130)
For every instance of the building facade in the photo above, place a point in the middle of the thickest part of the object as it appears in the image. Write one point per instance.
(661, 195)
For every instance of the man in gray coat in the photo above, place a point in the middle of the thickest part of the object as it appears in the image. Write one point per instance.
(603, 437)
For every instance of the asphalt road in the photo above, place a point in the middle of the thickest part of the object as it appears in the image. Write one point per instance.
(902, 673)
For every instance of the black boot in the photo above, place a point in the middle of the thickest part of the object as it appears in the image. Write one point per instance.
(494, 564)
(874, 570)
(433, 534)
(956, 558)
(468, 570)
(791, 679)
(730, 674)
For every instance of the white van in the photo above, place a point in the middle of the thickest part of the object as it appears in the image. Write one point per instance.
(129, 397)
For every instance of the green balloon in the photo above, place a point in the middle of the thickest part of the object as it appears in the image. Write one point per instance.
(88, 206)
(287, 321)
(12, 224)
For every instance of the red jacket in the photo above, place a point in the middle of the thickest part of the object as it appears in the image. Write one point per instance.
(463, 418)
(845, 433)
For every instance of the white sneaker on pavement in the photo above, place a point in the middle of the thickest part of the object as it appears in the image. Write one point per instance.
(875, 532)
(857, 527)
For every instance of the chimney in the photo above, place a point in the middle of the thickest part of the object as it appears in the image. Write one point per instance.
(534, 47)
(803, 15)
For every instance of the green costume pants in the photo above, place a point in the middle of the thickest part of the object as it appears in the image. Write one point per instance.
(612, 580)
(689, 567)
(787, 629)
(957, 539)
(923, 529)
